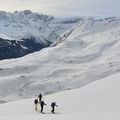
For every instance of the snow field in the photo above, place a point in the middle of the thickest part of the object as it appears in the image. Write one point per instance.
(98, 100)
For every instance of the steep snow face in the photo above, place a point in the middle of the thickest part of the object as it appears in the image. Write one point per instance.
(90, 26)
(99, 100)
(26, 24)
(87, 52)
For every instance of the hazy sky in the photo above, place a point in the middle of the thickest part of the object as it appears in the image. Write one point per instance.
(64, 8)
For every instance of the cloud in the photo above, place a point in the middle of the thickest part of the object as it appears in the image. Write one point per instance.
(65, 7)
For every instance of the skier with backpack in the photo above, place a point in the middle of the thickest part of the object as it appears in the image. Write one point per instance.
(42, 105)
(53, 105)
(40, 98)
(36, 104)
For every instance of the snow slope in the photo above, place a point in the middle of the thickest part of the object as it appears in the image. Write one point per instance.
(87, 52)
(97, 101)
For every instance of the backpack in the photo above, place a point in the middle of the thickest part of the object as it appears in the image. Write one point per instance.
(53, 104)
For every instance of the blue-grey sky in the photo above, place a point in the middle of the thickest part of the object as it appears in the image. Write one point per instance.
(65, 8)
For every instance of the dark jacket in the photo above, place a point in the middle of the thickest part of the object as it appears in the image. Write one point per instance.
(42, 103)
(40, 97)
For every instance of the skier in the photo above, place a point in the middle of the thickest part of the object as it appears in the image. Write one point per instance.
(53, 105)
(36, 104)
(40, 98)
(42, 105)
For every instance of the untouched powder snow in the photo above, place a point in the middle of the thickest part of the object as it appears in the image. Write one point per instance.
(97, 101)
(87, 52)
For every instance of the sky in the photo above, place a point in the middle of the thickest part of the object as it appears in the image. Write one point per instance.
(64, 8)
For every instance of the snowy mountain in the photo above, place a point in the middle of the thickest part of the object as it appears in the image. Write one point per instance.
(96, 101)
(36, 31)
(27, 24)
(87, 52)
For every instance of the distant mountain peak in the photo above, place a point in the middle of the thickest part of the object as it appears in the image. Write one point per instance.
(33, 27)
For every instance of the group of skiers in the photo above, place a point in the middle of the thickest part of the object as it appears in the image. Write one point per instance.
(42, 103)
